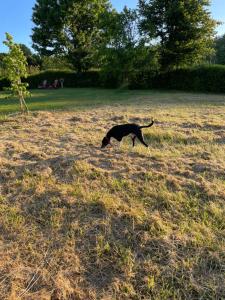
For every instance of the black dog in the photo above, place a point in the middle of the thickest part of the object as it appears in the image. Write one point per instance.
(120, 131)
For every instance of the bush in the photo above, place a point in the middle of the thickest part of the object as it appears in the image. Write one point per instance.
(111, 79)
(200, 79)
(71, 79)
(142, 79)
(4, 83)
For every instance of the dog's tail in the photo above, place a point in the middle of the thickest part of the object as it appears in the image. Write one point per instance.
(147, 126)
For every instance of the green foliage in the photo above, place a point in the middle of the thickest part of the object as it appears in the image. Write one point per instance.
(16, 68)
(2, 68)
(32, 59)
(89, 34)
(69, 27)
(220, 50)
(122, 38)
(111, 78)
(184, 29)
(209, 78)
(146, 58)
(143, 79)
(4, 83)
(26, 51)
(71, 79)
(125, 51)
(77, 80)
(55, 62)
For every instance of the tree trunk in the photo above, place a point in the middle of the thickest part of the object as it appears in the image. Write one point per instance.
(23, 105)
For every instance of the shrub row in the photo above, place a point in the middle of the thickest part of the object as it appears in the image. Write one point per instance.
(72, 79)
(3, 83)
(200, 79)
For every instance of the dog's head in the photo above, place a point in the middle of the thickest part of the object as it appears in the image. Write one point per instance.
(105, 142)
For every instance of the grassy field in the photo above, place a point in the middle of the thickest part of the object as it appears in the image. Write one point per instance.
(79, 99)
(78, 222)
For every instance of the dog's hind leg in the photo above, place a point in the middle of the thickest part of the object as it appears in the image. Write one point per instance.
(133, 139)
(141, 139)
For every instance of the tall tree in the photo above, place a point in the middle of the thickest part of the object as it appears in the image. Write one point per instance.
(125, 50)
(71, 27)
(184, 29)
(15, 64)
(122, 38)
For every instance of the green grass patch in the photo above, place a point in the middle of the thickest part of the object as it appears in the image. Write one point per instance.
(82, 98)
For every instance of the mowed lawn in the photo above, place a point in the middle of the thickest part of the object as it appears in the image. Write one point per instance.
(79, 222)
(68, 99)
(76, 99)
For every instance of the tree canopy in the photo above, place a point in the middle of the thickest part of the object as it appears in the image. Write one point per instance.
(220, 50)
(91, 34)
(69, 27)
(121, 40)
(184, 29)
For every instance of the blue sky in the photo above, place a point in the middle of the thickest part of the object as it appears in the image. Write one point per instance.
(15, 17)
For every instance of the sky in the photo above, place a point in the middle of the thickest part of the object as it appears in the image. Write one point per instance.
(15, 18)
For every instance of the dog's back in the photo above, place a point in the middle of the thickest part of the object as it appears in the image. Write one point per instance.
(120, 131)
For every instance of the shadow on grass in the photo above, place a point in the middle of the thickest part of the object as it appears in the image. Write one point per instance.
(113, 246)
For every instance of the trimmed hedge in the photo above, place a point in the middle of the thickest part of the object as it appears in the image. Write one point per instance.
(73, 79)
(4, 83)
(199, 79)
(111, 79)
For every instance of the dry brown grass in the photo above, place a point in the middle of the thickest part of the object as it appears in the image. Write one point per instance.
(78, 222)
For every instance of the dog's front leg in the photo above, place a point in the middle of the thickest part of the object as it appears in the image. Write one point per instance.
(120, 143)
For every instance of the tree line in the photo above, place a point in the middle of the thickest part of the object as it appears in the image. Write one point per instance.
(90, 34)
(166, 34)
